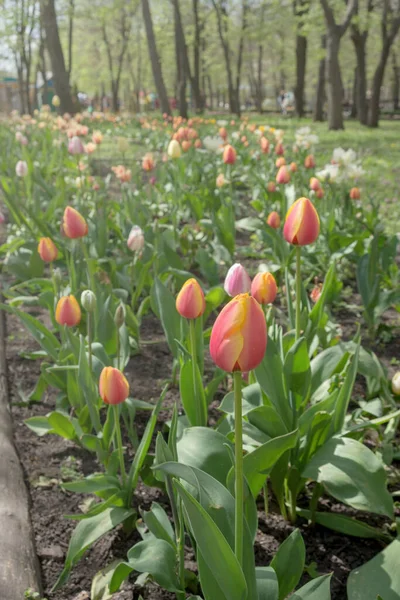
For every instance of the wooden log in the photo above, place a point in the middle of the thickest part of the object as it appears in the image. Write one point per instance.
(19, 566)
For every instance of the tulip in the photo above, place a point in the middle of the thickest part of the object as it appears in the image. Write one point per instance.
(136, 239)
(309, 162)
(279, 149)
(263, 288)
(190, 302)
(396, 383)
(315, 184)
(293, 167)
(283, 175)
(68, 311)
(47, 250)
(174, 149)
(21, 168)
(264, 143)
(315, 293)
(113, 386)
(74, 224)
(229, 155)
(56, 101)
(148, 162)
(280, 162)
(88, 300)
(75, 146)
(97, 137)
(237, 280)
(274, 220)
(320, 193)
(220, 181)
(239, 336)
(186, 145)
(120, 316)
(271, 187)
(355, 193)
(223, 133)
(302, 223)
(198, 144)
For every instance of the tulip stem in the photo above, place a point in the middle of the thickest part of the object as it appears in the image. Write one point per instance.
(119, 442)
(298, 290)
(239, 481)
(89, 335)
(201, 417)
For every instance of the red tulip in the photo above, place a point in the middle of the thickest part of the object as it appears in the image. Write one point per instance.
(302, 223)
(190, 302)
(47, 250)
(74, 224)
(263, 288)
(239, 336)
(113, 386)
(68, 311)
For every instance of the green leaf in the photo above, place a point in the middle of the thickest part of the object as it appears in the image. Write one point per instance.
(344, 524)
(62, 425)
(39, 425)
(342, 403)
(325, 364)
(215, 550)
(205, 449)
(251, 398)
(351, 473)
(288, 563)
(87, 532)
(170, 319)
(317, 589)
(93, 484)
(267, 583)
(188, 397)
(101, 581)
(158, 523)
(297, 372)
(380, 576)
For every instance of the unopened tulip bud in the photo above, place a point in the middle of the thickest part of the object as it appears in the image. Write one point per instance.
(274, 220)
(264, 288)
(396, 383)
(97, 137)
(309, 162)
(186, 145)
(47, 250)
(136, 240)
(68, 311)
(74, 224)
(113, 386)
(21, 168)
(280, 162)
(302, 223)
(120, 315)
(220, 181)
(237, 280)
(239, 335)
(279, 149)
(174, 149)
(315, 184)
(223, 133)
(88, 300)
(320, 193)
(355, 193)
(293, 167)
(264, 143)
(56, 101)
(198, 144)
(229, 155)
(75, 146)
(190, 302)
(148, 162)
(315, 293)
(283, 175)
(271, 187)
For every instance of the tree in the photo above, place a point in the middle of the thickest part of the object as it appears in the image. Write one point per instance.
(396, 82)
(60, 73)
(300, 9)
(334, 34)
(359, 37)
(320, 97)
(390, 25)
(155, 59)
(181, 59)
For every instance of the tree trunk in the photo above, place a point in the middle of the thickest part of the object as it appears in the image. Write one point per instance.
(70, 35)
(155, 59)
(354, 103)
(396, 83)
(197, 91)
(320, 99)
(334, 79)
(60, 74)
(180, 49)
(373, 117)
(301, 60)
(360, 43)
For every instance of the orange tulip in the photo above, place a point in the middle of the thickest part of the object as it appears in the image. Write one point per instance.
(263, 288)
(223, 133)
(148, 162)
(68, 311)
(190, 302)
(113, 386)
(47, 250)
(280, 162)
(74, 224)
(293, 167)
(271, 187)
(229, 155)
(302, 223)
(239, 336)
(274, 220)
(309, 162)
(315, 184)
(264, 143)
(283, 175)
(355, 193)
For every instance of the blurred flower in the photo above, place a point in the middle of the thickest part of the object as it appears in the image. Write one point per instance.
(148, 163)
(355, 193)
(239, 335)
(264, 143)
(302, 223)
(309, 162)
(271, 187)
(279, 149)
(315, 184)
(315, 293)
(320, 193)
(223, 133)
(396, 383)
(229, 155)
(47, 249)
(305, 139)
(190, 302)
(220, 181)
(56, 101)
(90, 148)
(68, 311)
(237, 280)
(280, 162)
(264, 288)
(186, 145)
(113, 386)
(293, 167)
(283, 175)
(74, 224)
(174, 149)
(21, 168)
(136, 239)
(97, 137)
(274, 220)
(75, 146)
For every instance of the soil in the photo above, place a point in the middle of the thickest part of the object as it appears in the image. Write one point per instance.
(48, 459)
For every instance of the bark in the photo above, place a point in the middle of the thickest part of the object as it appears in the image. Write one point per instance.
(300, 10)
(388, 36)
(60, 74)
(180, 51)
(155, 59)
(355, 102)
(70, 34)
(360, 43)
(197, 88)
(334, 34)
(320, 99)
(396, 83)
